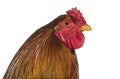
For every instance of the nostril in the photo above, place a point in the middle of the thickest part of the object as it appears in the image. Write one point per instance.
(57, 28)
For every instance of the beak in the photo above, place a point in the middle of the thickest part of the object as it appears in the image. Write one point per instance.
(86, 27)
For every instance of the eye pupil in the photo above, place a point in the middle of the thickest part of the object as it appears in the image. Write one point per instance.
(66, 23)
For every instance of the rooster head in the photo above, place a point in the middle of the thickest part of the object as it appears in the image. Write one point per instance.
(70, 29)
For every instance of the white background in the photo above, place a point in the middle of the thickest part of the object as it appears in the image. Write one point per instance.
(99, 58)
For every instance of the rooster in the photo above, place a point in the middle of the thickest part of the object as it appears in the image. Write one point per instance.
(49, 53)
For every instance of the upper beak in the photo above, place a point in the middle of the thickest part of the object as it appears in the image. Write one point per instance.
(86, 27)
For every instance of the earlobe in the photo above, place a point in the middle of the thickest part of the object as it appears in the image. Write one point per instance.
(57, 28)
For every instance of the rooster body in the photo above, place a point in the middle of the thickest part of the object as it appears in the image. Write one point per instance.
(46, 55)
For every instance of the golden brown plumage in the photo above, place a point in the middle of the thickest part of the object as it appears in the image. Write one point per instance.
(44, 56)
(49, 52)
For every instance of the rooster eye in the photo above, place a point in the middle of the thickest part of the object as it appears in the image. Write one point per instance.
(66, 23)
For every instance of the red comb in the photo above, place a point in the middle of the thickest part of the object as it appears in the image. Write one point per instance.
(76, 14)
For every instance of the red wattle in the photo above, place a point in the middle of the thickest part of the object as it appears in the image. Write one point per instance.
(75, 41)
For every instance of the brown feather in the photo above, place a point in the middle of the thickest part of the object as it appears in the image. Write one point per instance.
(44, 56)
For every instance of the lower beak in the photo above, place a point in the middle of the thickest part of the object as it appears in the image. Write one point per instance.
(86, 27)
